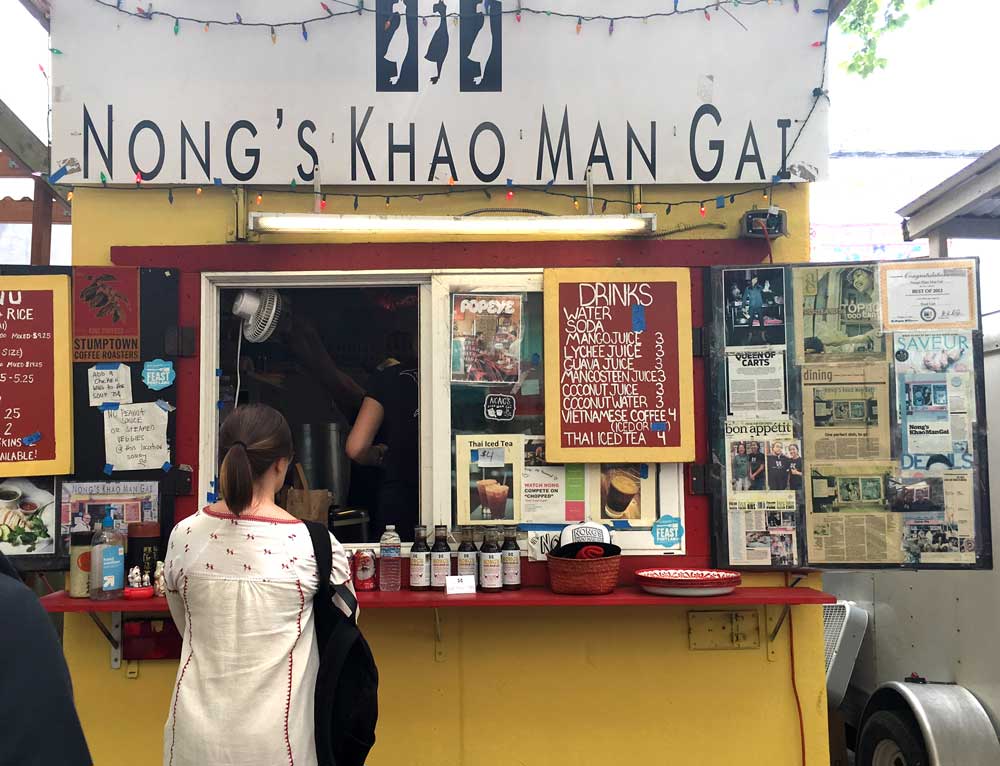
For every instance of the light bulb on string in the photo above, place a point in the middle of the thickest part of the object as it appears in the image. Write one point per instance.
(666, 211)
(817, 44)
(206, 26)
(387, 202)
(576, 203)
(517, 16)
(708, 16)
(138, 177)
(239, 19)
(796, 5)
(104, 179)
(260, 198)
(355, 201)
(305, 33)
(170, 196)
(177, 26)
(322, 202)
(274, 36)
(55, 51)
(69, 196)
(701, 209)
(638, 207)
(675, 5)
(611, 27)
(326, 8)
(510, 194)
(732, 198)
(579, 24)
(451, 181)
(423, 20)
(198, 191)
(388, 22)
(604, 206)
(361, 7)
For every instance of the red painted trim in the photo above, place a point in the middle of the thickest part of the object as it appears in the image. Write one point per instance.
(443, 255)
(247, 517)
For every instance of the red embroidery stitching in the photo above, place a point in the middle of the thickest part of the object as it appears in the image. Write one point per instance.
(288, 698)
(230, 551)
(250, 537)
(246, 568)
(209, 566)
(214, 536)
(180, 679)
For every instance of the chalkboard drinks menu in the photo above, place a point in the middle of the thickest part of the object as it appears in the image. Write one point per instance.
(618, 365)
(35, 416)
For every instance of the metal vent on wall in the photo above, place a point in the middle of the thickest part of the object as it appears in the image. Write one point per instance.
(844, 626)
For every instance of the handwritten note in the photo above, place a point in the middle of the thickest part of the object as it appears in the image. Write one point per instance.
(135, 437)
(109, 383)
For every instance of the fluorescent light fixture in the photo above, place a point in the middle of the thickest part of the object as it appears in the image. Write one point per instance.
(562, 227)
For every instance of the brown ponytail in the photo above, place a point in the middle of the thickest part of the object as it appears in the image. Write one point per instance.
(252, 439)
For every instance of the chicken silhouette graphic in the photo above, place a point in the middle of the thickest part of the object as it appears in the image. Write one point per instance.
(482, 46)
(437, 51)
(399, 43)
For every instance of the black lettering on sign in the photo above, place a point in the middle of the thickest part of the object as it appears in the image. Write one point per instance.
(107, 155)
(253, 154)
(545, 143)
(716, 145)
(205, 161)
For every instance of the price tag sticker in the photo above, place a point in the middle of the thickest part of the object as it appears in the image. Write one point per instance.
(491, 457)
(456, 584)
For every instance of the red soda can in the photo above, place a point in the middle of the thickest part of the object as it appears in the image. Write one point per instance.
(364, 570)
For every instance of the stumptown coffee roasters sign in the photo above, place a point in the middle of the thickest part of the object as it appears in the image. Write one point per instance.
(425, 91)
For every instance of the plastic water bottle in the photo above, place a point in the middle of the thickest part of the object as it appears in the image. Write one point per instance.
(390, 563)
(107, 562)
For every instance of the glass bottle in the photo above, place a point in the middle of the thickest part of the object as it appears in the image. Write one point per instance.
(490, 567)
(420, 560)
(468, 555)
(440, 558)
(107, 562)
(389, 563)
(510, 560)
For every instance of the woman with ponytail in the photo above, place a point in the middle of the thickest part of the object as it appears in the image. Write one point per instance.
(241, 577)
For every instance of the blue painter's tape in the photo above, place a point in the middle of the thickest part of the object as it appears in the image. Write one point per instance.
(638, 318)
(165, 406)
(58, 175)
(217, 181)
(474, 456)
(220, 404)
(108, 468)
(540, 527)
(621, 525)
(167, 467)
(107, 365)
(218, 372)
(105, 406)
(657, 426)
(644, 471)
(212, 497)
(31, 439)
(720, 202)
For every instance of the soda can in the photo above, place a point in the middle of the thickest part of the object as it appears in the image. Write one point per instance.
(364, 569)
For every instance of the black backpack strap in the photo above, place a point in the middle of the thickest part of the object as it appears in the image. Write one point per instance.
(323, 608)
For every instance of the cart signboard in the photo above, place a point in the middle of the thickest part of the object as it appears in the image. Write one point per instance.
(618, 363)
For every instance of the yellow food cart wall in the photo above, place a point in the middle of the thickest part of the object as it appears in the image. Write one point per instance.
(522, 686)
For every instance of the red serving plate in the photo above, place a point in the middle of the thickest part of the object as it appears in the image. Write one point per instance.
(687, 577)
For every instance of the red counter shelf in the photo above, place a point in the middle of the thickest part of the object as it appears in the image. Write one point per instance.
(526, 597)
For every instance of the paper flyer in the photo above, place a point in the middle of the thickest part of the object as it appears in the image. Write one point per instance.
(135, 437)
(85, 504)
(929, 295)
(485, 338)
(849, 514)
(623, 492)
(552, 494)
(937, 517)
(110, 383)
(762, 456)
(28, 517)
(935, 399)
(755, 307)
(489, 470)
(837, 314)
(845, 412)
(755, 382)
(762, 529)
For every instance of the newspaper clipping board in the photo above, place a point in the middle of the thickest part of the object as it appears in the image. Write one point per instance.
(618, 365)
(871, 453)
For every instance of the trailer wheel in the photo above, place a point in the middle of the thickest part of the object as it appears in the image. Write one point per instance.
(891, 738)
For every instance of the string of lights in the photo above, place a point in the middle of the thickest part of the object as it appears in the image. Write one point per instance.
(334, 9)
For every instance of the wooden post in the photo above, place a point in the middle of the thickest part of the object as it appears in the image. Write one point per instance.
(41, 224)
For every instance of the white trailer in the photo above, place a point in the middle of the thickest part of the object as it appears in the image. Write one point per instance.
(925, 690)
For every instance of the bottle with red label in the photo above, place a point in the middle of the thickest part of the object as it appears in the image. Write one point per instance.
(440, 558)
(420, 560)
(468, 555)
(490, 566)
(510, 560)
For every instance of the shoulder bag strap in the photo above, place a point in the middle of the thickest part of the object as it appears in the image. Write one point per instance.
(323, 608)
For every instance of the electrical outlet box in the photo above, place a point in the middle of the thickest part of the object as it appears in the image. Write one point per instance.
(724, 630)
(764, 224)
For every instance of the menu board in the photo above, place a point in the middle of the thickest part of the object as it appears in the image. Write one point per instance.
(35, 391)
(618, 365)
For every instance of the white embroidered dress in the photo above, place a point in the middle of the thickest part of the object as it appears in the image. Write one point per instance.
(240, 591)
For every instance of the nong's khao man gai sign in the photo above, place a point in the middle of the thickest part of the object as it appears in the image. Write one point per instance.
(419, 91)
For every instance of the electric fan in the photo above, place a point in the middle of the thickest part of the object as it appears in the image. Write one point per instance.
(261, 312)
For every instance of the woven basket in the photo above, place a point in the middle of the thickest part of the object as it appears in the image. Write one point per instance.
(584, 577)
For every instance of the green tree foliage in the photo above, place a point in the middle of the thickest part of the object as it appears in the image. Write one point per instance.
(868, 20)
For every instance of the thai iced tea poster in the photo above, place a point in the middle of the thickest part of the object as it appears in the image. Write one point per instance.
(105, 314)
(489, 471)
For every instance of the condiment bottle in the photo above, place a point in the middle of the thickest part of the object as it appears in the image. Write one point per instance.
(440, 558)
(79, 564)
(468, 556)
(490, 567)
(107, 562)
(510, 560)
(420, 560)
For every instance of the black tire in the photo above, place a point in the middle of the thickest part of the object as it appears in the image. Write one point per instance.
(895, 726)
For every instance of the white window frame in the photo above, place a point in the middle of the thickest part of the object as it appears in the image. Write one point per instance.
(435, 289)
